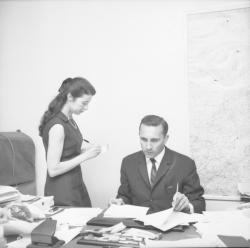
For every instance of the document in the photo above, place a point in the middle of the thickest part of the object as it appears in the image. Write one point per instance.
(167, 219)
(76, 217)
(125, 211)
(104, 148)
(67, 234)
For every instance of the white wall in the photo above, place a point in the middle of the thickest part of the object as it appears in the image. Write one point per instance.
(134, 53)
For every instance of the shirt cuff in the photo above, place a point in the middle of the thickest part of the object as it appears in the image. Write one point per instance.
(191, 208)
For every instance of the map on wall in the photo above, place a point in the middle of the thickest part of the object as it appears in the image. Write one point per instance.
(219, 98)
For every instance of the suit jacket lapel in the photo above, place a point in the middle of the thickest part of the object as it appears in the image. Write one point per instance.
(143, 169)
(165, 165)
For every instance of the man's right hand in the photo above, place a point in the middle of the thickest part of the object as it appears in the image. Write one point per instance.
(116, 201)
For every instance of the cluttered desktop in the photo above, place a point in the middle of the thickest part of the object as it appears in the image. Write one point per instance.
(36, 223)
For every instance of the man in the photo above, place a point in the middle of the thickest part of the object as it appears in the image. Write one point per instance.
(158, 177)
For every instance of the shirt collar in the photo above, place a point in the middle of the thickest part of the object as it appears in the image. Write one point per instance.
(158, 158)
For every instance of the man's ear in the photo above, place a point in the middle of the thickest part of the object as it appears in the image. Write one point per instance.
(166, 138)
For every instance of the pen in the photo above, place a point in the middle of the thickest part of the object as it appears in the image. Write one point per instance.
(174, 198)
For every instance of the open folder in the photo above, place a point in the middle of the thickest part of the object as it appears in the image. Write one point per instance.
(136, 216)
(168, 219)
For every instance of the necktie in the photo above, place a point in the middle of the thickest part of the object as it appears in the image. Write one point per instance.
(153, 171)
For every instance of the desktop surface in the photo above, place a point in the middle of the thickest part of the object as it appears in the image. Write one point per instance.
(188, 233)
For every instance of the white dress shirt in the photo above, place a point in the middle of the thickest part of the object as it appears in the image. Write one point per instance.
(158, 160)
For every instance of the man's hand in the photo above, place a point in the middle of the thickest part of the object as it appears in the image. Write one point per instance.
(116, 201)
(180, 202)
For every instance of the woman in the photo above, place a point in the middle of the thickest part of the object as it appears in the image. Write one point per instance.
(63, 141)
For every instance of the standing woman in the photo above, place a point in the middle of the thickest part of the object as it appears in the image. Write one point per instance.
(63, 143)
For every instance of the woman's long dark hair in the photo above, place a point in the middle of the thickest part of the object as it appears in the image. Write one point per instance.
(77, 87)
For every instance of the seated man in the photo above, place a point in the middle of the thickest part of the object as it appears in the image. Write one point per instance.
(158, 177)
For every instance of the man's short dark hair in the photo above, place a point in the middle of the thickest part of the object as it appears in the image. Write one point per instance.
(154, 120)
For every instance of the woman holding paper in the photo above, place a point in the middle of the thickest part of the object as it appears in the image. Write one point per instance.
(64, 145)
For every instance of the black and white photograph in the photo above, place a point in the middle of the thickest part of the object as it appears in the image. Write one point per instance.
(124, 123)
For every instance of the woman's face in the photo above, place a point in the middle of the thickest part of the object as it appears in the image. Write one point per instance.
(80, 104)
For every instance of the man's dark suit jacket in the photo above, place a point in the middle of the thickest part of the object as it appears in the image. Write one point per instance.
(136, 189)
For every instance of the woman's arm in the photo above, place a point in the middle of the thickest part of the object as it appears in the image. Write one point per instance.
(55, 148)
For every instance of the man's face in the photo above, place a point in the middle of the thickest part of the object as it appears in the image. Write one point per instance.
(152, 140)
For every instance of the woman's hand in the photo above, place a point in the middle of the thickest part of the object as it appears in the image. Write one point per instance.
(86, 145)
(92, 152)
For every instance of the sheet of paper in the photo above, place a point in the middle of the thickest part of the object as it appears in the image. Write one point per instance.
(76, 216)
(104, 148)
(125, 211)
(67, 233)
(156, 219)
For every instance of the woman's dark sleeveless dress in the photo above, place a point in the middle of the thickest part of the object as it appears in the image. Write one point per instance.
(68, 189)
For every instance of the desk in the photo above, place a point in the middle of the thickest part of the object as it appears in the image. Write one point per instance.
(231, 223)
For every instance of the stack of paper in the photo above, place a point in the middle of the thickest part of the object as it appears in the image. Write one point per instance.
(8, 194)
(125, 211)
